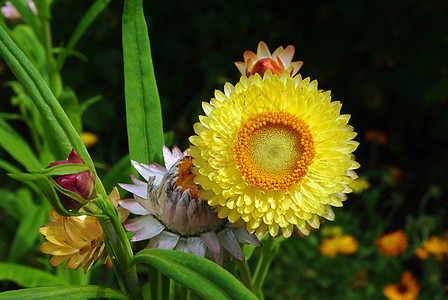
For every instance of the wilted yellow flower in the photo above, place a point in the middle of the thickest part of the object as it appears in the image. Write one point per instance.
(435, 247)
(345, 244)
(89, 139)
(392, 244)
(78, 239)
(279, 62)
(407, 289)
(359, 185)
(274, 153)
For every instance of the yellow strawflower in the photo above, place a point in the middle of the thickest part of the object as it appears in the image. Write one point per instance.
(274, 154)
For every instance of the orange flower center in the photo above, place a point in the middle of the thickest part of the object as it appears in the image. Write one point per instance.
(402, 288)
(185, 177)
(274, 150)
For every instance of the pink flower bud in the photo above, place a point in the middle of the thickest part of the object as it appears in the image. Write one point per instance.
(81, 183)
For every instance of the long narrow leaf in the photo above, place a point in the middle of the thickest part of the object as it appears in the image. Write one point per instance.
(14, 144)
(61, 128)
(97, 7)
(64, 293)
(28, 231)
(27, 276)
(200, 275)
(143, 110)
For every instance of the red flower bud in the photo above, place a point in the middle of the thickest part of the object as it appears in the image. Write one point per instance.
(81, 183)
(265, 64)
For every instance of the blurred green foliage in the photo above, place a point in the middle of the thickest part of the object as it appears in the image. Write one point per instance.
(387, 61)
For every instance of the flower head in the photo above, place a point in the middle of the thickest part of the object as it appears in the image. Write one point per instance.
(172, 216)
(81, 183)
(89, 139)
(278, 62)
(274, 153)
(434, 247)
(376, 137)
(407, 289)
(359, 185)
(345, 244)
(392, 244)
(9, 12)
(78, 239)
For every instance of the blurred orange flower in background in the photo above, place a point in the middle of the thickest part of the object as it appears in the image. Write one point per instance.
(407, 289)
(345, 244)
(434, 247)
(375, 137)
(89, 139)
(392, 244)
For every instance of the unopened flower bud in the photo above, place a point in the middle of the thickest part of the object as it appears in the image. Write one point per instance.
(81, 183)
(278, 62)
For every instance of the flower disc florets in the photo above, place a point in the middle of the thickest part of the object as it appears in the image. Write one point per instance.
(172, 216)
(274, 153)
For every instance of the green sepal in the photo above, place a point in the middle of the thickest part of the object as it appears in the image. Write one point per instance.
(63, 169)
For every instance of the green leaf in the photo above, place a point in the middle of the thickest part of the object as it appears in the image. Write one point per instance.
(204, 277)
(47, 188)
(58, 123)
(61, 293)
(97, 7)
(143, 110)
(14, 144)
(8, 167)
(26, 38)
(28, 16)
(27, 276)
(70, 104)
(86, 103)
(119, 173)
(8, 203)
(27, 232)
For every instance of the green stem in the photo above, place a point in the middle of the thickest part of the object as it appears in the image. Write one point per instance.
(269, 250)
(184, 294)
(123, 255)
(246, 277)
(118, 274)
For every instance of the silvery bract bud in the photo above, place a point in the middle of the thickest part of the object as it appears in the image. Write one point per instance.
(172, 216)
(81, 183)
